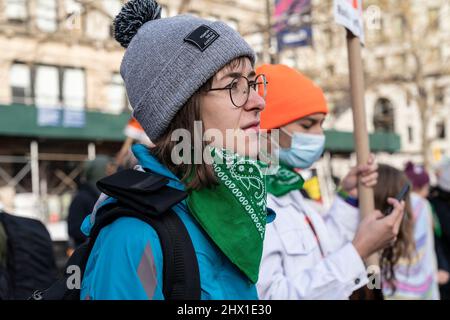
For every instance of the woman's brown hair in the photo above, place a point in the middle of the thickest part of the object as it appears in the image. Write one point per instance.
(195, 176)
(390, 183)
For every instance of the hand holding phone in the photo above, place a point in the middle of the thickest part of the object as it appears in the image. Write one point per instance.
(400, 197)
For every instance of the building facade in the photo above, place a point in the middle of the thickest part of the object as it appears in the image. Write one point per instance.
(62, 99)
(399, 36)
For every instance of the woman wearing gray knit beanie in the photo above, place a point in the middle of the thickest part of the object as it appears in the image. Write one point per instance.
(192, 86)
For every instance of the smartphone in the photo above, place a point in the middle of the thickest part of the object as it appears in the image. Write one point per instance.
(400, 196)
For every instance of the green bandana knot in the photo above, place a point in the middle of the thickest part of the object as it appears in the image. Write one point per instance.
(284, 181)
(234, 213)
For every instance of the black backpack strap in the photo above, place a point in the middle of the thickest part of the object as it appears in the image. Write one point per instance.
(59, 290)
(181, 277)
(180, 265)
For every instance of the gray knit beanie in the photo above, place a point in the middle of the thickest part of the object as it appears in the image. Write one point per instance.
(168, 60)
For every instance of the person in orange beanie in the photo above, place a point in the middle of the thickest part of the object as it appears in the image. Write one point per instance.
(304, 255)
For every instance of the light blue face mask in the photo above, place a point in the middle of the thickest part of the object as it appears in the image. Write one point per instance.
(304, 151)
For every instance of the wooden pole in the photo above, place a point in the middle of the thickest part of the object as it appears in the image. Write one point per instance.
(273, 58)
(361, 136)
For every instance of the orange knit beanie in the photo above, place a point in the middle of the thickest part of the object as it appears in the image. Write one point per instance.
(290, 96)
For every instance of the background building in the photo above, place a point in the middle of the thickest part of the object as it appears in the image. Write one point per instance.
(62, 99)
(407, 73)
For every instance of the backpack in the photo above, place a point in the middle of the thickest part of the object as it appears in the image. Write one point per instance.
(145, 196)
(30, 261)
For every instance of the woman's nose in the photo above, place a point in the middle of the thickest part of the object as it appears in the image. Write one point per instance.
(255, 101)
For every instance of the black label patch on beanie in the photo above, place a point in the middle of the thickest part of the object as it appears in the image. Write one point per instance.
(202, 37)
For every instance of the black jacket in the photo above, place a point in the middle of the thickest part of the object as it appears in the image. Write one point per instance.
(81, 206)
(440, 200)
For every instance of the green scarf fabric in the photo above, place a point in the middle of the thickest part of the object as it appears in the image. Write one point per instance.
(284, 181)
(234, 213)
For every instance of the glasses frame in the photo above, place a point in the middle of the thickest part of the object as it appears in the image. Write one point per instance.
(250, 83)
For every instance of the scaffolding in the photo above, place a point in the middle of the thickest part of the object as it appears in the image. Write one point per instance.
(39, 176)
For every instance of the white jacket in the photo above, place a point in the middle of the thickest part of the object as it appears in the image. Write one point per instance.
(292, 265)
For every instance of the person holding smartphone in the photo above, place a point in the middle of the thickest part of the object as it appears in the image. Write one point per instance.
(409, 268)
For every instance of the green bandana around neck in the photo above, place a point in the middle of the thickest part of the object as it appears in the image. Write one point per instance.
(284, 181)
(234, 212)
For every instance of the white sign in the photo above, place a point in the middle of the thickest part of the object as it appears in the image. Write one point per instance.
(349, 13)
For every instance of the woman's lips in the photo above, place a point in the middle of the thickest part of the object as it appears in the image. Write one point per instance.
(252, 126)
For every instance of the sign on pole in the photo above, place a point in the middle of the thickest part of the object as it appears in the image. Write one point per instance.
(292, 23)
(349, 13)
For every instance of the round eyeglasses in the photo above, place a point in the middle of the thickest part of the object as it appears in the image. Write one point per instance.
(239, 89)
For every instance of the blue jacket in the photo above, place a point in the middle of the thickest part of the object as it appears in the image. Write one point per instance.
(126, 260)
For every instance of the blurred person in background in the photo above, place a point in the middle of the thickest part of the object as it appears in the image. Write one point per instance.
(27, 260)
(440, 201)
(409, 269)
(87, 194)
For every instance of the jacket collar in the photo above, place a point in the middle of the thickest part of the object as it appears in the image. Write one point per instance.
(149, 162)
(288, 199)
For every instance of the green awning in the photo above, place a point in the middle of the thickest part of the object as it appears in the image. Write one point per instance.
(21, 121)
(343, 142)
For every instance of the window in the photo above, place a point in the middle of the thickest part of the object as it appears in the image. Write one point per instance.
(383, 118)
(409, 97)
(433, 18)
(73, 13)
(439, 93)
(381, 61)
(16, 10)
(117, 100)
(98, 25)
(410, 135)
(55, 87)
(330, 69)
(52, 87)
(329, 37)
(112, 7)
(47, 86)
(46, 15)
(256, 41)
(20, 81)
(72, 6)
(397, 26)
(74, 88)
(441, 132)
(373, 18)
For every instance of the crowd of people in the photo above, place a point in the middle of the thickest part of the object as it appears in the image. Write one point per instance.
(248, 230)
